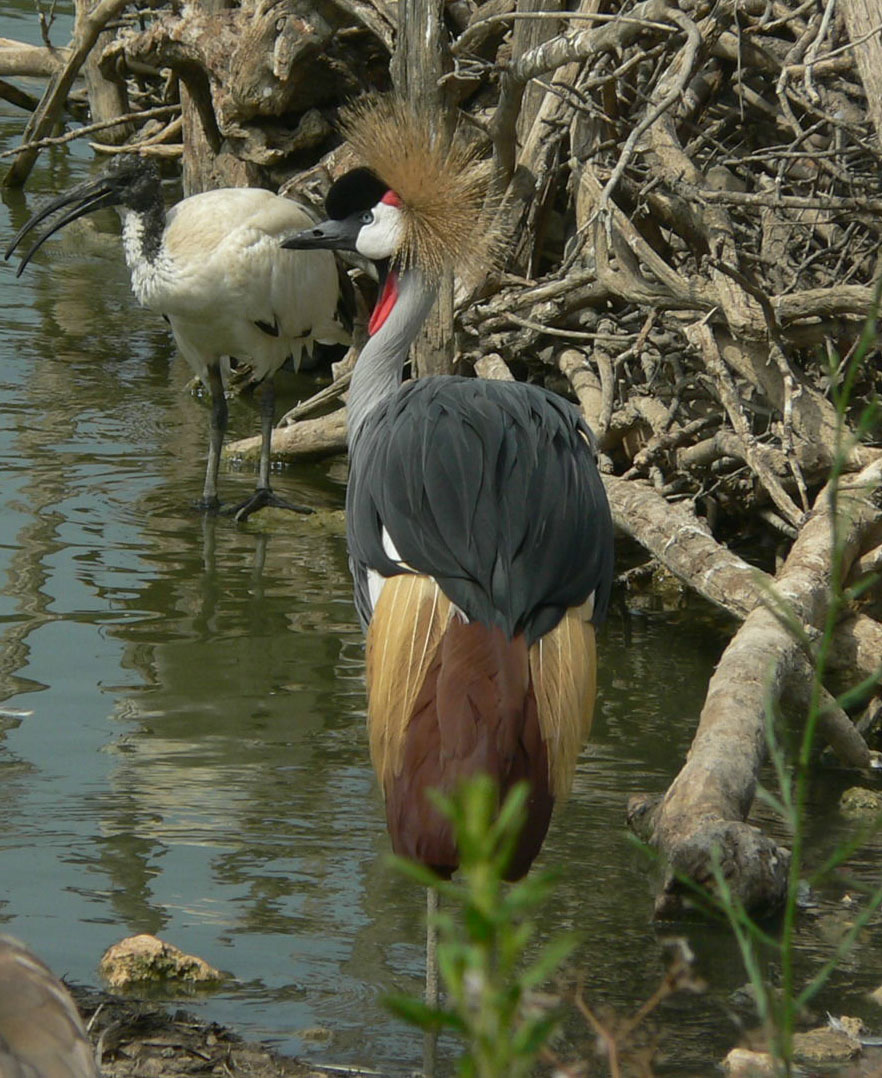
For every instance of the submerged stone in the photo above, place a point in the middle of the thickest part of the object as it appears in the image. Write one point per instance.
(321, 522)
(148, 959)
(825, 1045)
(744, 1063)
(859, 803)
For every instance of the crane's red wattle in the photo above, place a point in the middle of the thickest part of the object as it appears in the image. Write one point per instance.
(386, 301)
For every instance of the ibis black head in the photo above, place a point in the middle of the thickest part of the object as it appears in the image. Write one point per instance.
(129, 181)
(363, 216)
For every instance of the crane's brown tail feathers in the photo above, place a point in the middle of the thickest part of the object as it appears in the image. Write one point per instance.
(448, 699)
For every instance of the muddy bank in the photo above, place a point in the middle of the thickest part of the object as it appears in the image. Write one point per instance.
(151, 1040)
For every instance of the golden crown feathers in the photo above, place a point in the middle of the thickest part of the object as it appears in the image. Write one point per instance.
(442, 184)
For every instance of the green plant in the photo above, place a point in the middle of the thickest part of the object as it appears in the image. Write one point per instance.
(484, 934)
(780, 1005)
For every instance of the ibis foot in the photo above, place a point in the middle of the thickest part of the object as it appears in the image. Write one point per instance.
(263, 497)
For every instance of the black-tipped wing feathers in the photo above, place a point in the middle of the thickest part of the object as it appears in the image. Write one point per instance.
(492, 489)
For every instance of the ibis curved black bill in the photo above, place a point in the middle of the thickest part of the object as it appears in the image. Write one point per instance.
(327, 236)
(88, 197)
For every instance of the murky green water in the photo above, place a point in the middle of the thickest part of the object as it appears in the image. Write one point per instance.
(195, 762)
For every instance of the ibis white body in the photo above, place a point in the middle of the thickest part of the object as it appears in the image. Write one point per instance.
(226, 286)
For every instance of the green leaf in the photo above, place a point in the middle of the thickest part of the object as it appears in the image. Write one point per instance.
(415, 871)
(858, 694)
(552, 956)
(418, 1013)
(534, 1033)
(480, 928)
(452, 962)
(513, 811)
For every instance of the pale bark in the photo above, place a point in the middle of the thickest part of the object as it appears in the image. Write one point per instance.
(309, 439)
(108, 98)
(88, 27)
(420, 59)
(35, 61)
(709, 800)
(864, 21)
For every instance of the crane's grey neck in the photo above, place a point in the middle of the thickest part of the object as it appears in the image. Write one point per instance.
(377, 373)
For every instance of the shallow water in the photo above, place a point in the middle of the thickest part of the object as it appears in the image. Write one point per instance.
(193, 761)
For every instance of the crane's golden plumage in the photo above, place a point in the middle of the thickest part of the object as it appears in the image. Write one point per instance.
(563, 670)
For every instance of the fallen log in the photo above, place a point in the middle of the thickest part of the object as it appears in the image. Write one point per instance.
(34, 61)
(703, 814)
(309, 439)
(684, 545)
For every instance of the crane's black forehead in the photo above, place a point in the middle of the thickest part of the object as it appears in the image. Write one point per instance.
(354, 192)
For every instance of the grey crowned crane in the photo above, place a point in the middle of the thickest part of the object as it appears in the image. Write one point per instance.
(213, 268)
(479, 532)
(41, 1032)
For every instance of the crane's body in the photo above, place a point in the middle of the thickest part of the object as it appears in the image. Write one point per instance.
(213, 268)
(473, 511)
(479, 535)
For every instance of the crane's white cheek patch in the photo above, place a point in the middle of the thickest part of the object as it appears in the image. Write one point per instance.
(382, 238)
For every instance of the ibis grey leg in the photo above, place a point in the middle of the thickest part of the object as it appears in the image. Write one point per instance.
(263, 495)
(430, 1041)
(217, 430)
(266, 397)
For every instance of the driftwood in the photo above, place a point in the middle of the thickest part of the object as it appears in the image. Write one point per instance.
(690, 193)
(89, 25)
(711, 796)
(308, 439)
(36, 61)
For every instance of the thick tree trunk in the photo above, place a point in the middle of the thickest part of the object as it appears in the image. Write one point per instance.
(108, 98)
(420, 59)
(863, 19)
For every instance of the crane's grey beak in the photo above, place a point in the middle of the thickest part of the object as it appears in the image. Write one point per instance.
(88, 197)
(328, 236)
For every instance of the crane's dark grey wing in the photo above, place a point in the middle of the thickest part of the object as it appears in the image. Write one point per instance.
(492, 489)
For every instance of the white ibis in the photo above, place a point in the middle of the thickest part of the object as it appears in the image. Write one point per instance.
(41, 1032)
(213, 268)
(479, 533)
